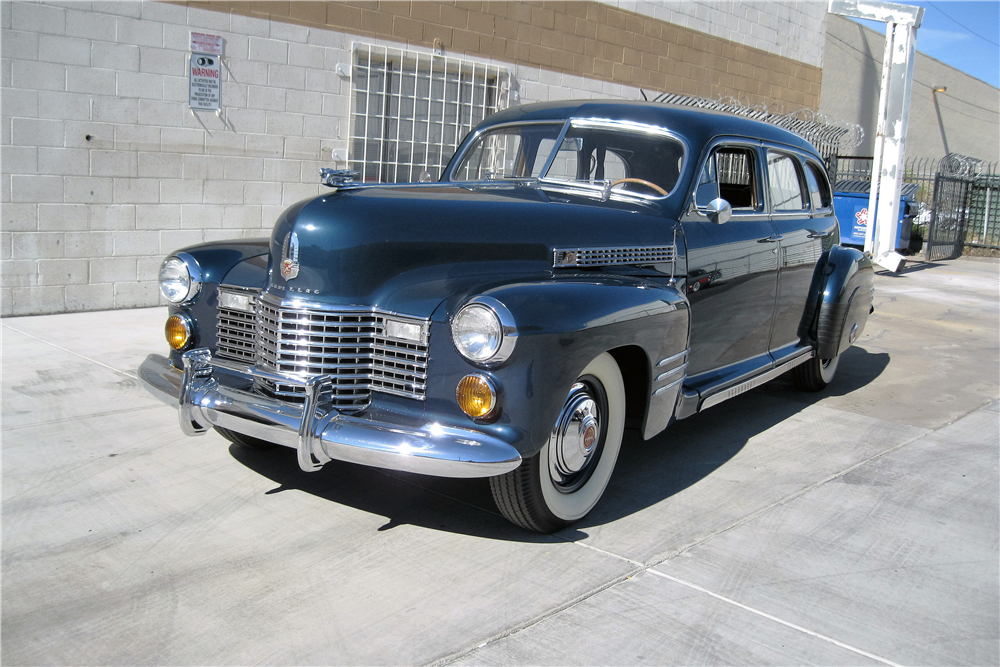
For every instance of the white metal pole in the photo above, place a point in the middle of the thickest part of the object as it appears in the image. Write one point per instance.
(894, 145)
(883, 103)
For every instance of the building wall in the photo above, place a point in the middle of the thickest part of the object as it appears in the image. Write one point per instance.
(970, 109)
(105, 169)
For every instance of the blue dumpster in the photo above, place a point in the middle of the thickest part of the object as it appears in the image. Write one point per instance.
(850, 203)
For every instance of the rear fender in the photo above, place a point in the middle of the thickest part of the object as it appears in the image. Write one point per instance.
(840, 300)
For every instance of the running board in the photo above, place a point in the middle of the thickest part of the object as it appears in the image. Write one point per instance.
(753, 382)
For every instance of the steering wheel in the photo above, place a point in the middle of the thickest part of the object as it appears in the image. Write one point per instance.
(640, 181)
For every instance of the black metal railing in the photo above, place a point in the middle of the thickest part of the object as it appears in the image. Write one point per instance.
(957, 198)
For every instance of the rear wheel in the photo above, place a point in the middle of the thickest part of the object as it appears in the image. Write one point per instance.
(244, 440)
(563, 482)
(815, 374)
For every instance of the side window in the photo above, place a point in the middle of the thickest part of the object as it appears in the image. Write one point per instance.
(783, 181)
(730, 174)
(819, 191)
(565, 165)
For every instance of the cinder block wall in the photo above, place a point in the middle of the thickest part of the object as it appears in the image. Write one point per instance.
(105, 169)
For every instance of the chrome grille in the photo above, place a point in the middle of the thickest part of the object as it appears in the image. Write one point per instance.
(349, 345)
(634, 255)
(237, 329)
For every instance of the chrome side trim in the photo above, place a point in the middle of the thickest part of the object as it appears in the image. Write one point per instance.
(672, 371)
(209, 394)
(679, 355)
(667, 387)
(753, 382)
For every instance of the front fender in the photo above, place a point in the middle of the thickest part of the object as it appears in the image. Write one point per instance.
(840, 300)
(562, 325)
(238, 262)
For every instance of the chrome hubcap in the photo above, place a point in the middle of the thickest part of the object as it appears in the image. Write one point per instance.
(576, 436)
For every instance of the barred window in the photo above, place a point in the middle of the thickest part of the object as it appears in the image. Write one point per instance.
(411, 110)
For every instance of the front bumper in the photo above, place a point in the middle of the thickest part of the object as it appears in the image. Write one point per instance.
(209, 392)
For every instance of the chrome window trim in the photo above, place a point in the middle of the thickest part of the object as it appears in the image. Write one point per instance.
(822, 210)
(554, 153)
(796, 159)
(586, 123)
(636, 128)
(754, 145)
(470, 141)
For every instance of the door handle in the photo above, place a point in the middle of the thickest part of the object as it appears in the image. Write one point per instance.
(819, 235)
(771, 239)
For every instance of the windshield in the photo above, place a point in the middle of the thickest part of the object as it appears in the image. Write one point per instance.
(644, 163)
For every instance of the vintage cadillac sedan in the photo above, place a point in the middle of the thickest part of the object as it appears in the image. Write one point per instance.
(580, 268)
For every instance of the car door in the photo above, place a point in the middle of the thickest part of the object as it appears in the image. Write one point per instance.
(804, 223)
(730, 269)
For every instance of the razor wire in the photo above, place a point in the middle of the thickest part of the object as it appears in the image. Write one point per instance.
(830, 136)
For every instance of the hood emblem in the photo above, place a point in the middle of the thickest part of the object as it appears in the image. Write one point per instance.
(290, 256)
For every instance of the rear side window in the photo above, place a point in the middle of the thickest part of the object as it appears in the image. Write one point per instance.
(783, 180)
(819, 191)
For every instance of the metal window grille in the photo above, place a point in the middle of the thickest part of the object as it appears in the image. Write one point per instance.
(411, 110)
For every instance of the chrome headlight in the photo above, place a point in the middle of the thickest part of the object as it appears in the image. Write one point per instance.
(484, 331)
(180, 278)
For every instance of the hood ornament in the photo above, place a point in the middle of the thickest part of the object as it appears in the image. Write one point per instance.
(337, 178)
(290, 256)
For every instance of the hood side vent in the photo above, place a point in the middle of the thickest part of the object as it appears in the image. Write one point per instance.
(617, 256)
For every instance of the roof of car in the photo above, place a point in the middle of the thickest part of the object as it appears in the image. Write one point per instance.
(697, 125)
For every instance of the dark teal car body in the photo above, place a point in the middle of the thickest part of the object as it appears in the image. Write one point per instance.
(353, 332)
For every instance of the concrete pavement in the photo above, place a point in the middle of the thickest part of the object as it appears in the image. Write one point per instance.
(855, 526)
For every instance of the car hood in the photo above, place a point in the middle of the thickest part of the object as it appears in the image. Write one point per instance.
(406, 248)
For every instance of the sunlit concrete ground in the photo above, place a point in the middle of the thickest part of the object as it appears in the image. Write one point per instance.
(856, 526)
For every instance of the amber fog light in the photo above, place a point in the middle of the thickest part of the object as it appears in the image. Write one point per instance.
(178, 331)
(476, 396)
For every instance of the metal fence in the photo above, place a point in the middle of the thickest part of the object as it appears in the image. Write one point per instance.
(958, 200)
(411, 110)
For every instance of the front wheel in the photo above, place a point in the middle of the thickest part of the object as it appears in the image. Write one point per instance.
(560, 484)
(815, 374)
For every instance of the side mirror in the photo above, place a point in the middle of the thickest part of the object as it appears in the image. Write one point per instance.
(425, 177)
(718, 211)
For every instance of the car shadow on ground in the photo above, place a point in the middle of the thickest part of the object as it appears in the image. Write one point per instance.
(647, 472)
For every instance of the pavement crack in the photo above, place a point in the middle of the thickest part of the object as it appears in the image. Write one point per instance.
(128, 374)
(549, 613)
(787, 499)
(775, 619)
(155, 406)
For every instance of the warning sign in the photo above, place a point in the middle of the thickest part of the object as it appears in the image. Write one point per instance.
(205, 82)
(202, 42)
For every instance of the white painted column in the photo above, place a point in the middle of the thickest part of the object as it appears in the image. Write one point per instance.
(901, 22)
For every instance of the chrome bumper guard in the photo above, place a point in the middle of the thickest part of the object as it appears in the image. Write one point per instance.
(210, 392)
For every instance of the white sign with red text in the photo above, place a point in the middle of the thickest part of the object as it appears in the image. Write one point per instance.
(202, 42)
(205, 82)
